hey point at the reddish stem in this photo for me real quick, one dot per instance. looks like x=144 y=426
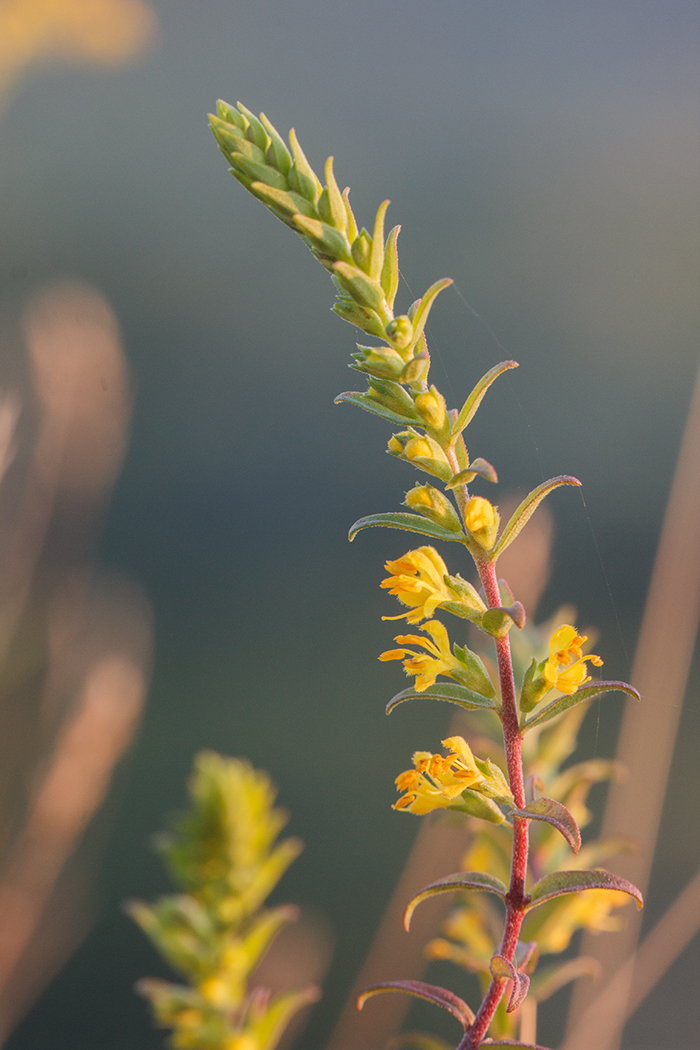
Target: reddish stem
x=512 y=741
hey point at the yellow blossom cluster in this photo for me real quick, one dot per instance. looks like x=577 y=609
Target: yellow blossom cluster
x=565 y=669
x=436 y=781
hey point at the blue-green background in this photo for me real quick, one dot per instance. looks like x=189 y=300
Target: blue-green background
x=545 y=156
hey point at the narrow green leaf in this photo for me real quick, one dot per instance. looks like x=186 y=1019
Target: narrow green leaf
x=574 y=881
x=258 y=172
x=255 y=132
x=552 y=812
x=527 y=508
x=408 y=522
x=421 y=315
x=450 y=692
x=430 y=992
x=285 y=201
x=563 y=703
x=337 y=215
x=462 y=880
x=369 y=404
x=302 y=176
x=390 y=271
x=480 y=467
x=376 y=259
x=352 y=222
x=475 y=398
x=277 y=152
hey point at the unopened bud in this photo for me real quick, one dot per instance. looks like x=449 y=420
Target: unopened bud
x=482 y=519
x=400 y=332
x=431 y=406
x=431 y=503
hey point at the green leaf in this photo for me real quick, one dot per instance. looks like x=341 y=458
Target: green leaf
x=369 y=404
x=475 y=398
x=258 y=172
x=574 y=881
x=276 y=153
x=302 y=176
x=447 y=691
x=462 y=880
x=408 y=522
x=376 y=259
x=421 y=315
x=480 y=467
x=286 y=202
x=563 y=703
x=390 y=271
x=430 y=992
x=527 y=508
x=552 y=812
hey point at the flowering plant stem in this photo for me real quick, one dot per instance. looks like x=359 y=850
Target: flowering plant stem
x=364 y=270
x=512 y=739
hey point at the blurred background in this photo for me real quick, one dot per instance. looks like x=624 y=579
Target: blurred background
x=175 y=459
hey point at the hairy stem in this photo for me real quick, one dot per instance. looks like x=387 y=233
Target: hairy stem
x=515 y=900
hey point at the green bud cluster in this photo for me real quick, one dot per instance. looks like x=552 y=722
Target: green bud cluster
x=364 y=267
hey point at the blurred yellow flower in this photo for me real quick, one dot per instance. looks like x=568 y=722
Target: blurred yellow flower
x=436 y=780
x=425 y=667
x=106 y=32
x=565 y=669
x=588 y=909
x=417 y=580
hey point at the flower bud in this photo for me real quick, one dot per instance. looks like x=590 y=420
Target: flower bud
x=400 y=332
x=431 y=503
x=482 y=520
x=415 y=370
x=432 y=408
x=379 y=361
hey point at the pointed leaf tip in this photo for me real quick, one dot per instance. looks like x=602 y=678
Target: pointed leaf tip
x=420 y=990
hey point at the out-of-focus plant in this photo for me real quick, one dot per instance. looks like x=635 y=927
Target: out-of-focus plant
x=538 y=712
x=225 y=859
x=99 y=32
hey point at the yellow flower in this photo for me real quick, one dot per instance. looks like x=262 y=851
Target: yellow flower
x=425 y=667
x=589 y=910
x=436 y=780
x=417 y=581
x=566 y=669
